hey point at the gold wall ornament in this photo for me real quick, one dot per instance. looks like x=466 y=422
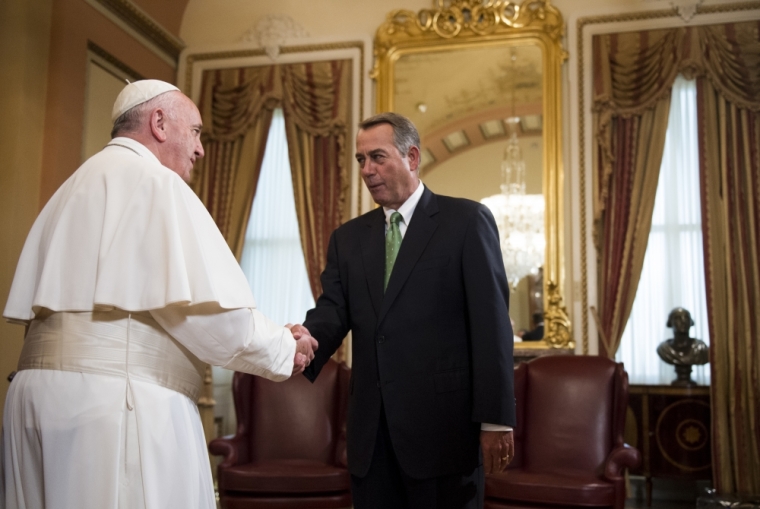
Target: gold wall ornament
x=457 y=37
x=557 y=323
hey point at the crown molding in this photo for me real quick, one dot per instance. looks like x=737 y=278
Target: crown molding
x=110 y=59
x=144 y=28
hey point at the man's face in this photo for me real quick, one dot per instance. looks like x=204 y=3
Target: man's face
x=183 y=139
x=389 y=175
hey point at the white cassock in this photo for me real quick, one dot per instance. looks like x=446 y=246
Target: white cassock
x=128 y=288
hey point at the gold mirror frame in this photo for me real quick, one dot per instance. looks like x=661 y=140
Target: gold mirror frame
x=462 y=24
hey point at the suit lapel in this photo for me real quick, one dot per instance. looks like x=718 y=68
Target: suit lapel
x=373 y=256
x=421 y=229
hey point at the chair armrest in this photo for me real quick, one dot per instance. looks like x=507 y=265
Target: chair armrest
x=341 y=458
x=232 y=447
x=344 y=382
x=620 y=458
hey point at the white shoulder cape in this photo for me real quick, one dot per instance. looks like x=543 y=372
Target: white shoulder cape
x=124 y=231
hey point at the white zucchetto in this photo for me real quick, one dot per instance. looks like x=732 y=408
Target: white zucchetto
x=139 y=92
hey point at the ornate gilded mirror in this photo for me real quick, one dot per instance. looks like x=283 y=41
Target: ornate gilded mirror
x=481 y=81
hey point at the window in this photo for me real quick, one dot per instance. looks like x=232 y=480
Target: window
x=673 y=272
x=272 y=257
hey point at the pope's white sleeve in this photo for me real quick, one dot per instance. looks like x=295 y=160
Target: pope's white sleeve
x=239 y=339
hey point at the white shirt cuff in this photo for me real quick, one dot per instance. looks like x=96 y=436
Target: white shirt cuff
x=484 y=426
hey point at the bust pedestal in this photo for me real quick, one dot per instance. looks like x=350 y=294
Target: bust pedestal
x=670 y=425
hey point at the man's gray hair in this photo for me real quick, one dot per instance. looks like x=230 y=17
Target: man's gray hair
x=131 y=120
x=405 y=135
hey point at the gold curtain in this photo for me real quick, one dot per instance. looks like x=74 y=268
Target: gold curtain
x=728 y=97
x=634 y=73
x=633 y=76
x=316 y=107
x=236 y=107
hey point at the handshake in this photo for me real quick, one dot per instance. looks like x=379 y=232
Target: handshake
x=305 y=347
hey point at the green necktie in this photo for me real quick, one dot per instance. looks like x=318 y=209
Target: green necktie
x=392 y=244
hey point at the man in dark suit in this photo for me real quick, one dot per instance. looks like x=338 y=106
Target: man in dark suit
x=421 y=284
x=536 y=333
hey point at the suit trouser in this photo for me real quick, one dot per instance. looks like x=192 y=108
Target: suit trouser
x=387 y=486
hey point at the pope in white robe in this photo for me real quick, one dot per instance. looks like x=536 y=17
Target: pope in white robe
x=128 y=288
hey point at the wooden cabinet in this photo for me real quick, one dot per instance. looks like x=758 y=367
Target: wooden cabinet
x=671 y=427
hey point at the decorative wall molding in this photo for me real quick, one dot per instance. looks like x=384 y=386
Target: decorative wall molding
x=100 y=52
x=274 y=31
x=138 y=23
x=686 y=8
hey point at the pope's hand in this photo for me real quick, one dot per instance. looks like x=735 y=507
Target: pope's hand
x=305 y=347
x=299 y=363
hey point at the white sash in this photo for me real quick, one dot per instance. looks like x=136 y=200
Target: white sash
x=117 y=343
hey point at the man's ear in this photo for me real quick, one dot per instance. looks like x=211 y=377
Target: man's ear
x=414 y=158
x=158 y=124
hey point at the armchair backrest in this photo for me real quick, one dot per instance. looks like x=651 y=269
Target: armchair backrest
x=294 y=419
x=570 y=411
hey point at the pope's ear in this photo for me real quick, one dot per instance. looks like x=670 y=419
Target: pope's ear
x=158 y=124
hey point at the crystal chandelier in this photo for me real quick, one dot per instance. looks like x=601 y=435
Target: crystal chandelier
x=519 y=216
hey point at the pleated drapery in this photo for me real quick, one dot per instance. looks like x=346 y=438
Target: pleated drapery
x=633 y=77
x=634 y=74
x=317 y=108
x=236 y=106
x=728 y=105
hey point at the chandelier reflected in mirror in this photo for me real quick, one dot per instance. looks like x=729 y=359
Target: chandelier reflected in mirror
x=519 y=216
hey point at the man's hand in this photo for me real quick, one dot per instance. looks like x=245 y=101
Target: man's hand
x=298 y=330
x=305 y=347
x=498 y=450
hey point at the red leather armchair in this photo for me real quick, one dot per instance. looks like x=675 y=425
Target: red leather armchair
x=569 y=448
x=290 y=447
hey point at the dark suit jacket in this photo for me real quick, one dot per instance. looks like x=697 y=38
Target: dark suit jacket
x=434 y=352
x=535 y=334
